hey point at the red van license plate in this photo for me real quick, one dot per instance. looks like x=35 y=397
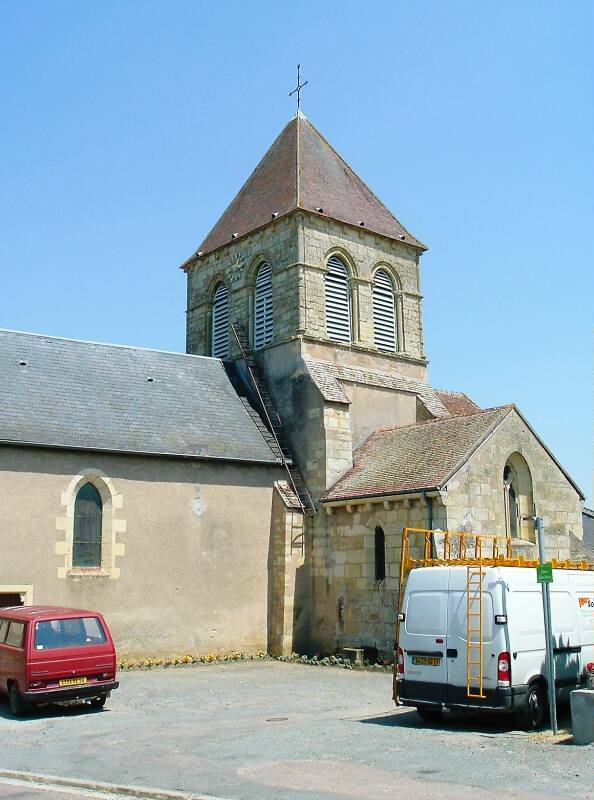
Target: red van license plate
x=72 y=682
x=426 y=661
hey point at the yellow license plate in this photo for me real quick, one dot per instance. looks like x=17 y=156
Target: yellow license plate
x=72 y=682
x=426 y=661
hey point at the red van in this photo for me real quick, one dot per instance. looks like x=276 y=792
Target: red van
x=50 y=654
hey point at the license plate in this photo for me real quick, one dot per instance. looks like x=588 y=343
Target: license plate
x=426 y=661
x=72 y=682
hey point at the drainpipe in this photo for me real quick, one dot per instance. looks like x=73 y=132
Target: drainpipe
x=429 y=501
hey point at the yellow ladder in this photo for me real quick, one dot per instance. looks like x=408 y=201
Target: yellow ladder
x=474 y=631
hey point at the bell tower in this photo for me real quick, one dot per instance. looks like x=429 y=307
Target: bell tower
x=340 y=273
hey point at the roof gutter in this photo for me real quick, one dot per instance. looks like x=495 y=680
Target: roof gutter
x=148 y=453
x=385 y=499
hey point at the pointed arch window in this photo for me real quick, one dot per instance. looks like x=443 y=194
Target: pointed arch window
x=220 y=322
x=263 y=322
x=88 y=521
x=338 y=305
x=384 y=312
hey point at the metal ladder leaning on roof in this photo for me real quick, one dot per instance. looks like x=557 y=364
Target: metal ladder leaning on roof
x=273 y=420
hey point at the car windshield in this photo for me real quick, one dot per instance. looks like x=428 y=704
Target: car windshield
x=75 y=632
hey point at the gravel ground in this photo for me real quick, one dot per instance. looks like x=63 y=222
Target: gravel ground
x=271 y=730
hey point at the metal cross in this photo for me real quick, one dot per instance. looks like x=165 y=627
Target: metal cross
x=298 y=88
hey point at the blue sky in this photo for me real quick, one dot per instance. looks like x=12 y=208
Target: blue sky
x=128 y=126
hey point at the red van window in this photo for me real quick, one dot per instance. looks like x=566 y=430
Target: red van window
x=15 y=634
x=3 y=629
x=75 y=632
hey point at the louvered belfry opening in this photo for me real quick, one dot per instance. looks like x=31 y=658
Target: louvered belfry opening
x=263 y=319
x=384 y=312
x=338 y=306
x=220 y=322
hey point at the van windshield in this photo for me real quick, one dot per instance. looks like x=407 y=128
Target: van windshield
x=75 y=632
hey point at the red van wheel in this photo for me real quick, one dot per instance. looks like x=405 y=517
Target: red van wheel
x=15 y=701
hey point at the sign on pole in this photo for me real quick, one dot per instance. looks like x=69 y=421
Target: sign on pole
x=544 y=573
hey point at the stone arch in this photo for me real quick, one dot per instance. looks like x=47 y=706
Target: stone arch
x=112 y=501
x=344 y=255
x=391 y=271
x=518 y=497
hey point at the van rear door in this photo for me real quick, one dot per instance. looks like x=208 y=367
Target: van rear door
x=423 y=638
x=493 y=638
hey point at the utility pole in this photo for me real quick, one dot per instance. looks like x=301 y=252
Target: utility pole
x=545 y=578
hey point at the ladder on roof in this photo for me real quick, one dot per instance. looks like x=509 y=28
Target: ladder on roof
x=280 y=444
x=475 y=551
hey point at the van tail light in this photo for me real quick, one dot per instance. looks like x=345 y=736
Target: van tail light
x=400 y=661
x=503 y=669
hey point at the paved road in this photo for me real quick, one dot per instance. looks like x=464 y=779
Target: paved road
x=264 y=731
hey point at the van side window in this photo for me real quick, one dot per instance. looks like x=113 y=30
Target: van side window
x=3 y=629
x=15 y=634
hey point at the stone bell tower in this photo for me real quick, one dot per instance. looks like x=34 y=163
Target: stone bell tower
x=345 y=329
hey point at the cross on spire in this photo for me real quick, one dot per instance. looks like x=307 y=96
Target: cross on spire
x=298 y=88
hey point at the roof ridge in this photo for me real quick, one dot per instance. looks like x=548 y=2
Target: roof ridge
x=442 y=419
x=358 y=177
x=106 y=344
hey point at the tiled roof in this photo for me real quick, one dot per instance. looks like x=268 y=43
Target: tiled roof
x=64 y=393
x=301 y=170
x=415 y=457
x=326 y=375
x=457 y=402
x=287 y=495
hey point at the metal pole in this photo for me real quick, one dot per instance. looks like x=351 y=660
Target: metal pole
x=548 y=628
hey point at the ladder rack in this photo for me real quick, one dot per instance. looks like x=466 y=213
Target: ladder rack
x=475 y=551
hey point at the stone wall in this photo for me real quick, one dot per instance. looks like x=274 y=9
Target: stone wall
x=287 y=605
x=474 y=497
x=352 y=608
x=236 y=265
x=362 y=252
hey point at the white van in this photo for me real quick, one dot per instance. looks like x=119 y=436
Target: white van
x=431 y=669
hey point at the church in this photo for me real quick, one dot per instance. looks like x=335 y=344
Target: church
x=250 y=494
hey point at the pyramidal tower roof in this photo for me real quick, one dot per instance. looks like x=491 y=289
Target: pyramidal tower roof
x=301 y=170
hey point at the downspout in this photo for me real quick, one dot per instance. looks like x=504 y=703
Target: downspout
x=429 y=502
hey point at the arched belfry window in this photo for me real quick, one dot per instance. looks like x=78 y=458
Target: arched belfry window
x=384 y=312
x=220 y=322
x=88 y=520
x=338 y=306
x=263 y=323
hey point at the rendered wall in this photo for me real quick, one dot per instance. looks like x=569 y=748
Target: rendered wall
x=192 y=539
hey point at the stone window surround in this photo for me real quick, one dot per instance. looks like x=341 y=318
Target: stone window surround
x=111 y=548
x=25 y=591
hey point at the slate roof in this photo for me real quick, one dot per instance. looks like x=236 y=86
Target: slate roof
x=65 y=393
x=415 y=457
x=301 y=170
x=326 y=375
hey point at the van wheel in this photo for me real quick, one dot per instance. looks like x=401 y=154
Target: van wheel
x=16 y=703
x=98 y=702
x=430 y=714
x=534 y=712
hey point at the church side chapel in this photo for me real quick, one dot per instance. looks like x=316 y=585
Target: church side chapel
x=251 y=493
